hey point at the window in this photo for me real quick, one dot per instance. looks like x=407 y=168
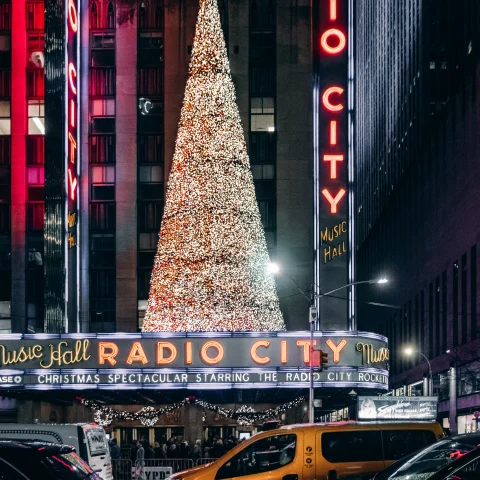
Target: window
x=102 y=217
x=356 y=446
x=398 y=443
x=103 y=125
x=5 y=120
x=35 y=82
x=455 y=303
x=151 y=174
x=150 y=149
x=102 y=81
x=5 y=184
x=35 y=49
x=36 y=117
x=5 y=82
x=471 y=471
x=35 y=16
x=102 y=251
x=102 y=149
x=152 y=122
x=148 y=241
x=5 y=11
x=102 y=283
x=150 y=15
x=149 y=216
x=464 y=299
x=36 y=182
x=262 y=117
x=103 y=183
x=102 y=108
x=267 y=213
x=35 y=150
x=103 y=50
x=263 y=172
x=110 y=15
x=264 y=455
x=262 y=148
x=150 y=49
x=8 y=472
x=150 y=81
x=35 y=217
x=93 y=16
x=473 y=292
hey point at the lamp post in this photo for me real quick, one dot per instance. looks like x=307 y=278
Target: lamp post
x=410 y=351
x=314 y=317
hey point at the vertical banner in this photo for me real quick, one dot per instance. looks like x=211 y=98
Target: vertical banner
x=330 y=108
x=72 y=160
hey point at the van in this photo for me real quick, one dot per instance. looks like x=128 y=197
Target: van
x=352 y=450
x=89 y=440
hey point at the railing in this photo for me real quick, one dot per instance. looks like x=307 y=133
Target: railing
x=205 y=461
x=125 y=469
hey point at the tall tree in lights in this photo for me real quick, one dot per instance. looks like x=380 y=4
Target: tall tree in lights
x=211 y=268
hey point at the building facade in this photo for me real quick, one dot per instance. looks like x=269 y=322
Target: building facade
x=132 y=67
x=417 y=158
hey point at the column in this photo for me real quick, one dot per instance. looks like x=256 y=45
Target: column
x=126 y=168
x=18 y=132
x=453 y=400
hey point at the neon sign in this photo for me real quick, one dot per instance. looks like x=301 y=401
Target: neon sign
x=72 y=133
x=184 y=360
x=331 y=163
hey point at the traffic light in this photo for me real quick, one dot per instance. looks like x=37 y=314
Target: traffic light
x=323 y=359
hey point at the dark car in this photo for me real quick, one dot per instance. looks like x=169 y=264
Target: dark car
x=453 y=458
x=23 y=460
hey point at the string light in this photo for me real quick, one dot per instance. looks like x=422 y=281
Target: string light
x=148 y=416
x=211 y=268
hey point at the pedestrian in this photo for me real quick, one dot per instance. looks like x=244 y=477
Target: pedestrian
x=197 y=450
x=115 y=452
x=218 y=449
x=158 y=450
x=140 y=462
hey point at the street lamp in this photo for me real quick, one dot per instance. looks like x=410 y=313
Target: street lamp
x=314 y=317
x=410 y=351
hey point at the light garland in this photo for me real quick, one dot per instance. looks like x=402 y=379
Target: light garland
x=211 y=268
x=148 y=416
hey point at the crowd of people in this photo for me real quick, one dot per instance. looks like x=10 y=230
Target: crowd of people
x=174 y=448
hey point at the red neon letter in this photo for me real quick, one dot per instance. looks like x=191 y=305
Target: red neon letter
x=73 y=146
x=333 y=165
x=333 y=132
x=333 y=201
x=326 y=99
x=72 y=15
x=72 y=113
x=333 y=9
x=333 y=32
x=72 y=72
x=72 y=182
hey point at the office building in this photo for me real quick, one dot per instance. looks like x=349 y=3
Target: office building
x=126 y=77
x=417 y=165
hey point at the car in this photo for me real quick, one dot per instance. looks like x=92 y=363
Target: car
x=453 y=458
x=24 y=460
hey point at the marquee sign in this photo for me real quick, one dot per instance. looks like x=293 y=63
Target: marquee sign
x=331 y=193
x=193 y=360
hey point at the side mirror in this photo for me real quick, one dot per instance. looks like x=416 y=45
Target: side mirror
x=332 y=475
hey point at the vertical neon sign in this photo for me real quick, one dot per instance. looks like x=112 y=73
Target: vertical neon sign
x=72 y=155
x=330 y=107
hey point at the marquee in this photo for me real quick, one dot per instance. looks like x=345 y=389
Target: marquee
x=191 y=360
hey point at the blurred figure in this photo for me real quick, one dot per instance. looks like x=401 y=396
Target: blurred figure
x=114 y=449
x=197 y=450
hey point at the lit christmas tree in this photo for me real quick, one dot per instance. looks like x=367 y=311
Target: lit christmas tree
x=211 y=268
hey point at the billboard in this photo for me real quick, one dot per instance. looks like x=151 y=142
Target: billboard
x=397 y=408
x=191 y=360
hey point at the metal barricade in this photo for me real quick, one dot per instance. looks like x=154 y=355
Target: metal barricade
x=164 y=464
x=205 y=461
x=122 y=469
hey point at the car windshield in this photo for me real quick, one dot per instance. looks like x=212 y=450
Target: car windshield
x=69 y=466
x=422 y=465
